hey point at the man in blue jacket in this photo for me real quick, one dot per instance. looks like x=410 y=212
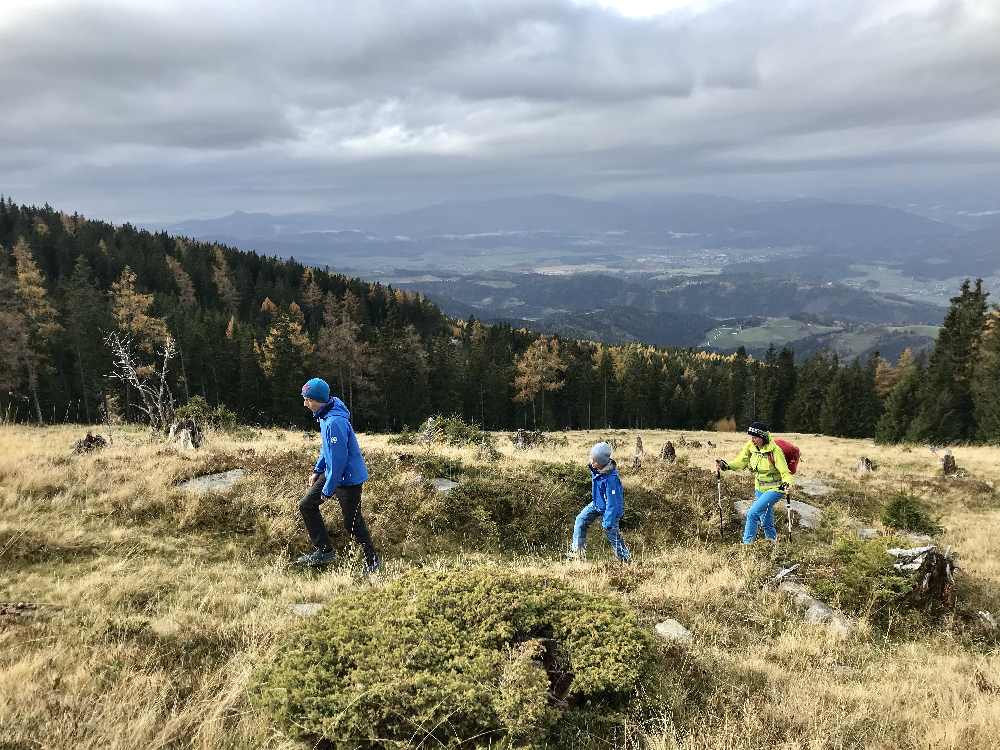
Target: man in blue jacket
x=340 y=472
x=607 y=502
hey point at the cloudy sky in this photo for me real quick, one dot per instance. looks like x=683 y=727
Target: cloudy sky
x=143 y=110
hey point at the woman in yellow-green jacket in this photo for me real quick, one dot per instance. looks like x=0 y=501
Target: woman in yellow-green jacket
x=765 y=459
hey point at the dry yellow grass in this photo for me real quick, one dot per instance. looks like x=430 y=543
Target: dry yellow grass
x=150 y=621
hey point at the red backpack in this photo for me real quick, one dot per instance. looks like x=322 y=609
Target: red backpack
x=791 y=452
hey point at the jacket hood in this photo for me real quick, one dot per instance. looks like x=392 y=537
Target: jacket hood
x=333 y=407
x=605 y=470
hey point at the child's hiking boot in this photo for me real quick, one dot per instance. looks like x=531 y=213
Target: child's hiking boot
x=318 y=558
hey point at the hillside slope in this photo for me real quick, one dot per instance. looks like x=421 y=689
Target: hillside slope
x=146 y=610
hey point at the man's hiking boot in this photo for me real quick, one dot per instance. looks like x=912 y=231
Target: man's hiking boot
x=317 y=558
x=575 y=555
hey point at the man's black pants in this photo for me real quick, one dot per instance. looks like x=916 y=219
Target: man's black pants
x=350 y=506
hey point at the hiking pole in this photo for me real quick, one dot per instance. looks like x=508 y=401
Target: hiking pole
x=788 y=508
x=718 y=482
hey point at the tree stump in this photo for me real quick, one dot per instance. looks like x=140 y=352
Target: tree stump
x=948 y=465
x=89 y=443
x=638 y=454
x=186 y=434
x=668 y=453
x=524 y=439
x=933 y=573
x=865 y=465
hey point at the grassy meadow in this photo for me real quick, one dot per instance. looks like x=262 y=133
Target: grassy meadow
x=149 y=608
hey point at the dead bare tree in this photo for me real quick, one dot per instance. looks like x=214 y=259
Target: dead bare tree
x=150 y=382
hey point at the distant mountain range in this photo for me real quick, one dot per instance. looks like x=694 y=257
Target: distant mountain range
x=660 y=269
x=578 y=225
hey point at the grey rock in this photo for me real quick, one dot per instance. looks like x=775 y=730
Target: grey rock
x=672 y=630
x=444 y=485
x=213 y=482
x=808 y=516
x=305 y=609
x=781 y=575
x=814 y=487
x=817 y=612
x=866 y=532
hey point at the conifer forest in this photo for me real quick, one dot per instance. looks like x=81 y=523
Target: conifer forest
x=243 y=331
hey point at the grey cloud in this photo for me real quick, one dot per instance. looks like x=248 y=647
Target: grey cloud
x=316 y=103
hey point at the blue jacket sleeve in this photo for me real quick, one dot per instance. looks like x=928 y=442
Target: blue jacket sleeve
x=614 y=501
x=336 y=443
x=320 y=466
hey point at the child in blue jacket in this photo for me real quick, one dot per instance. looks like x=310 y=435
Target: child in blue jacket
x=340 y=472
x=607 y=503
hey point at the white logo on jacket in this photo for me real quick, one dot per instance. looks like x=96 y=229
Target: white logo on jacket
x=333 y=440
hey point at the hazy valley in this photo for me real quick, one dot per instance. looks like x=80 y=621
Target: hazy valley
x=686 y=270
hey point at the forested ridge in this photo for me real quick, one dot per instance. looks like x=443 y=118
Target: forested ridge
x=250 y=329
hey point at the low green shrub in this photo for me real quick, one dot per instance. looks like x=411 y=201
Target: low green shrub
x=220 y=418
x=476 y=658
x=525 y=506
x=858 y=577
x=906 y=512
x=405 y=437
x=451 y=431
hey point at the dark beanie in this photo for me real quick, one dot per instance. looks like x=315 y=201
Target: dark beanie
x=760 y=429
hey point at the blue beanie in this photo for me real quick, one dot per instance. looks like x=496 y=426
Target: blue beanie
x=317 y=389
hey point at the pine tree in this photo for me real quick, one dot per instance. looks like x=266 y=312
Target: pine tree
x=13 y=331
x=836 y=415
x=40 y=318
x=251 y=390
x=539 y=369
x=312 y=299
x=986 y=382
x=223 y=278
x=185 y=287
x=404 y=370
x=341 y=349
x=814 y=376
x=84 y=315
x=132 y=312
x=946 y=411
x=886 y=377
x=739 y=378
x=285 y=359
x=867 y=404
x=901 y=405
x=633 y=382
x=605 y=377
